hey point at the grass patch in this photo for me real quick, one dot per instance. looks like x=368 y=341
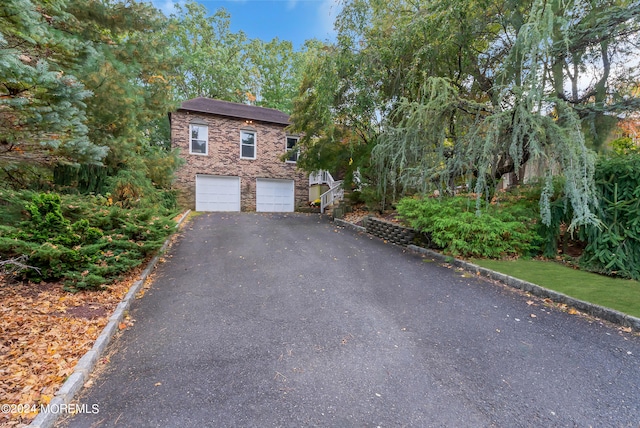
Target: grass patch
x=620 y=294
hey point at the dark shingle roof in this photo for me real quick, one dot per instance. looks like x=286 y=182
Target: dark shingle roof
x=236 y=110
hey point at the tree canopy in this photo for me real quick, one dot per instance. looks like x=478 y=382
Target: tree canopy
x=81 y=82
x=460 y=92
x=217 y=63
x=86 y=85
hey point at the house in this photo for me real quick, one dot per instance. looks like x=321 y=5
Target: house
x=233 y=158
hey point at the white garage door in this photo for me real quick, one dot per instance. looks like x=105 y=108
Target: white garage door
x=214 y=193
x=274 y=195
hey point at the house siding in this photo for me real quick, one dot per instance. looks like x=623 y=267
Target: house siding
x=223 y=157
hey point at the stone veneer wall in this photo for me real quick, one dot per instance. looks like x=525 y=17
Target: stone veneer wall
x=223 y=158
x=391 y=232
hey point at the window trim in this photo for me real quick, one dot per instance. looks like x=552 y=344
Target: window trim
x=206 y=139
x=255 y=143
x=286 y=148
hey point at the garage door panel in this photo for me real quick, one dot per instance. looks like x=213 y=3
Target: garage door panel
x=217 y=193
x=274 y=195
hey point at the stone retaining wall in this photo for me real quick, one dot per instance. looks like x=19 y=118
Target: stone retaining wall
x=391 y=232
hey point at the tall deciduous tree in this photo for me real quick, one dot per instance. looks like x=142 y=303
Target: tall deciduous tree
x=213 y=58
x=338 y=109
x=218 y=63
x=275 y=73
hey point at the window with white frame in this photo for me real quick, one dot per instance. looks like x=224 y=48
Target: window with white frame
x=247 y=144
x=292 y=150
x=198 y=139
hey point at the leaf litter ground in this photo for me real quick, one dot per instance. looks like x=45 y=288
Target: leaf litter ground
x=44 y=331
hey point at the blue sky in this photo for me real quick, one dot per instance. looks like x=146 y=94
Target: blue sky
x=293 y=20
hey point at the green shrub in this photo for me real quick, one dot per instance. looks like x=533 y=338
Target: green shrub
x=454 y=226
x=614 y=247
x=83 y=241
x=560 y=211
x=130 y=188
x=623 y=146
x=371 y=198
x=83 y=178
x=12 y=205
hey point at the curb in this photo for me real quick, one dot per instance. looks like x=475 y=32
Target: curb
x=592 y=309
x=351 y=226
x=87 y=363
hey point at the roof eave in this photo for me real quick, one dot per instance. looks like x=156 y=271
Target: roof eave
x=240 y=117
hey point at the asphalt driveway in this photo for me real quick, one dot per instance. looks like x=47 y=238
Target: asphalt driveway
x=272 y=320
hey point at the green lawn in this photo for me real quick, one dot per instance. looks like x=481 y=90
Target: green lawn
x=619 y=294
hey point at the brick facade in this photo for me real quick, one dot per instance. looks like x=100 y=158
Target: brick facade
x=223 y=158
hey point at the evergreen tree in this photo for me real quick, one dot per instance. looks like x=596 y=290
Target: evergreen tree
x=42 y=102
x=82 y=82
x=129 y=74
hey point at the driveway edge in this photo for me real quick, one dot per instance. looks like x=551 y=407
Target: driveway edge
x=598 y=311
x=81 y=372
x=592 y=309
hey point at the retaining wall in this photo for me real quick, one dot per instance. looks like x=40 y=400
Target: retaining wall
x=391 y=232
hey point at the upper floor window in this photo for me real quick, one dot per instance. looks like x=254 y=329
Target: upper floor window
x=293 y=154
x=247 y=144
x=198 y=139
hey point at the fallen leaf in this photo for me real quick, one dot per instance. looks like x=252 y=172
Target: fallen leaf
x=122 y=326
x=45 y=332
